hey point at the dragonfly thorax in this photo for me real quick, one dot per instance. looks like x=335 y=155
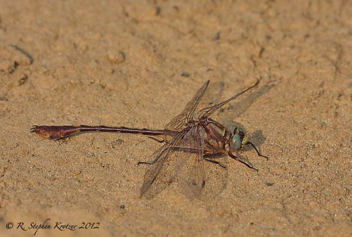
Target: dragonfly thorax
x=239 y=139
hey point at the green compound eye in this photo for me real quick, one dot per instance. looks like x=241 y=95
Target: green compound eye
x=239 y=139
x=236 y=141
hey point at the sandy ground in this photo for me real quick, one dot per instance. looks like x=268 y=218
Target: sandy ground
x=120 y=63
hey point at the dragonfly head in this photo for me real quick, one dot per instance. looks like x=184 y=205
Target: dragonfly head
x=239 y=139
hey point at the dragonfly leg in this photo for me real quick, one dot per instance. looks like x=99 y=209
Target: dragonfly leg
x=189 y=150
x=147 y=163
x=246 y=164
x=215 y=162
x=249 y=143
x=157 y=140
x=151 y=162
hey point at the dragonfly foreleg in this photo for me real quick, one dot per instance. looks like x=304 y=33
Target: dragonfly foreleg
x=249 y=143
x=246 y=164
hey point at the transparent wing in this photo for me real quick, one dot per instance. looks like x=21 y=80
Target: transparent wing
x=216 y=172
x=190 y=165
x=206 y=112
x=187 y=114
x=160 y=174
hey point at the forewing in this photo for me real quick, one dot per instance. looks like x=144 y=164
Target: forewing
x=160 y=174
x=190 y=165
x=186 y=115
x=206 y=112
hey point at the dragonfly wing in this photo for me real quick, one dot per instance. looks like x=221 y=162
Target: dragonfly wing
x=216 y=172
x=190 y=165
x=206 y=112
x=160 y=174
x=186 y=115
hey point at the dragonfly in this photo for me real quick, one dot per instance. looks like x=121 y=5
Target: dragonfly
x=191 y=138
